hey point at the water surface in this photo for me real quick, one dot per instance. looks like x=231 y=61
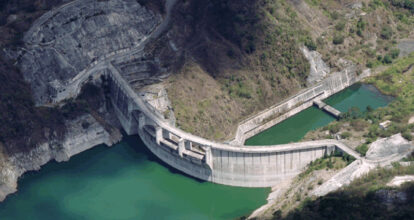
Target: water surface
x=295 y=128
x=124 y=182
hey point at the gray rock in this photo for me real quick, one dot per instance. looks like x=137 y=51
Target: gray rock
x=67 y=40
x=318 y=68
x=406 y=47
x=388 y=147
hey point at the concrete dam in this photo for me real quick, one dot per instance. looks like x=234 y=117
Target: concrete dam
x=122 y=66
x=236 y=165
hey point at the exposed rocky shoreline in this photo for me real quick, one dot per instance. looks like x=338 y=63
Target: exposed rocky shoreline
x=82 y=134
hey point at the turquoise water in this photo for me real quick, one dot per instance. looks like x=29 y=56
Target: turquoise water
x=360 y=96
x=127 y=182
x=296 y=127
x=123 y=182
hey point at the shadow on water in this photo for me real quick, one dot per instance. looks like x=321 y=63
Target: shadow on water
x=125 y=181
x=137 y=153
x=343 y=95
x=138 y=146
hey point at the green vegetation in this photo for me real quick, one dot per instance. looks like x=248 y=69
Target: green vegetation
x=386 y=32
x=346 y=134
x=333 y=128
x=409 y=157
x=362 y=149
x=260 y=62
x=361 y=24
x=340 y=26
x=362 y=199
x=310 y=44
x=407 y=4
x=337 y=160
x=338 y=39
x=397 y=80
x=253 y=62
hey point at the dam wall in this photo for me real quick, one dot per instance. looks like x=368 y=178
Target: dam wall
x=117 y=54
x=235 y=165
x=295 y=104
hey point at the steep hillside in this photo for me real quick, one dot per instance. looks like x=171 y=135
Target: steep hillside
x=366 y=198
x=228 y=58
x=238 y=57
x=234 y=58
x=23 y=126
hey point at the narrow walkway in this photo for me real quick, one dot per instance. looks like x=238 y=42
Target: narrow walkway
x=331 y=110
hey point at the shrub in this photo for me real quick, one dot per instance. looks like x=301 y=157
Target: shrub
x=379 y=57
x=386 y=32
x=338 y=39
x=359 y=125
x=361 y=24
x=408 y=4
x=310 y=44
x=407 y=135
x=387 y=59
x=359 y=33
x=353 y=112
x=333 y=128
x=345 y=135
x=362 y=149
x=334 y=15
x=340 y=26
x=394 y=53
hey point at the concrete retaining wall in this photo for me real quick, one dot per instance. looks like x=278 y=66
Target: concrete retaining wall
x=276 y=114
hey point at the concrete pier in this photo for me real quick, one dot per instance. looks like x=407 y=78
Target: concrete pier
x=327 y=108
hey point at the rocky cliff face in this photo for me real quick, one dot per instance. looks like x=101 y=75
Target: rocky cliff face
x=82 y=133
x=58 y=49
x=66 y=40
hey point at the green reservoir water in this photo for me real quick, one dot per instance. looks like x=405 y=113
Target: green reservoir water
x=127 y=182
x=123 y=182
x=295 y=128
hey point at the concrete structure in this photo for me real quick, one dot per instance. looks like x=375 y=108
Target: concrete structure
x=230 y=164
x=253 y=166
x=295 y=104
x=331 y=110
x=385 y=124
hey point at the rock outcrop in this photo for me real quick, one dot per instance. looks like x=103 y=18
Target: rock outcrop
x=65 y=41
x=318 y=68
x=82 y=133
x=381 y=153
